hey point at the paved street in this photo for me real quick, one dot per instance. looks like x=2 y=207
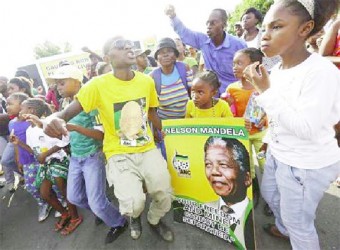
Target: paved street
x=19 y=229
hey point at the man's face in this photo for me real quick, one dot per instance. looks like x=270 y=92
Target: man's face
x=215 y=24
x=142 y=60
x=223 y=174
x=121 y=54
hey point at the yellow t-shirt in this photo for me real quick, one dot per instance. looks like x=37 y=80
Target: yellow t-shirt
x=220 y=109
x=123 y=107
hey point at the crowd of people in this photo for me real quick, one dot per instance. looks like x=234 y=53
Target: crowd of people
x=106 y=127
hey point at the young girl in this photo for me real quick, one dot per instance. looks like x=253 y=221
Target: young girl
x=303 y=157
x=9 y=160
x=203 y=104
x=19 y=84
x=28 y=165
x=49 y=152
x=241 y=95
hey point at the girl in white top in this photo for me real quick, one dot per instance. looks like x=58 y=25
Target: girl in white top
x=301 y=98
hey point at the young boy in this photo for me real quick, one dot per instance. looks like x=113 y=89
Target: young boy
x=86 y=176
x=125 y=100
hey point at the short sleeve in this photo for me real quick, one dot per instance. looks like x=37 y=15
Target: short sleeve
x=88 y=96
x=153 y=95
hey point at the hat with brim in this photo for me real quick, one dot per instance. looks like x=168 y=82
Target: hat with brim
x=139 y=52
x=65 y=72
x=166 y=43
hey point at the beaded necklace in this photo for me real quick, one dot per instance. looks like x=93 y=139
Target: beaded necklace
x=213 y=109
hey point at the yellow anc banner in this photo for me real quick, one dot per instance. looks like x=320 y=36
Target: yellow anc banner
x=208 y=160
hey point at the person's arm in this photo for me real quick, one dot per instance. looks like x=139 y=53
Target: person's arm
x=42 y=156
x=329 y=41
x=154 y=119
x=192 y=38
x=92 y=133
x=15 y=140
x=55 y=124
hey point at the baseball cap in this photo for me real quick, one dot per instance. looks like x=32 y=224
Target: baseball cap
x=64 y=72
x=138 y=52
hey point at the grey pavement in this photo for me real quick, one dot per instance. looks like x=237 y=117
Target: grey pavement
x=20 y=229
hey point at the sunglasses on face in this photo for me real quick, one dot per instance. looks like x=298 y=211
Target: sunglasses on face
x=121 y=44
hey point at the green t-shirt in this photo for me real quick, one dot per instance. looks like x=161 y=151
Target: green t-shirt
x=82 y=145
x=190 y=61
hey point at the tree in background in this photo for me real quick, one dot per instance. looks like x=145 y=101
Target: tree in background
x=261 y=5
x=50 y=49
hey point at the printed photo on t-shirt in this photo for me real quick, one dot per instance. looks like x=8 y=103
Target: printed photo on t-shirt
x=130 y=121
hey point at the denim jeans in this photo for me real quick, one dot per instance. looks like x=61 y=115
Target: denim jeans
x=8 y=163
x=293 y=194
x=86 y=187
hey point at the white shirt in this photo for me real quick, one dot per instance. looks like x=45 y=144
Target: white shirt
x=40 y=142
x=303 y=104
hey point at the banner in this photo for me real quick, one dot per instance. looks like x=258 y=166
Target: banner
x=208 y=160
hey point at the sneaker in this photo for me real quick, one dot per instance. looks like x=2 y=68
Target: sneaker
x=135 y=228
x=44 y=211
x=1 y=172
x=163 y=231
x=11 y=187
x=2 y=184
x=115 y=232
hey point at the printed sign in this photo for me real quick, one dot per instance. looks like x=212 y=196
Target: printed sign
x=208 y=160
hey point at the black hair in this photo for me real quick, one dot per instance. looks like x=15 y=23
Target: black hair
x=40 y=107
x=23 y=83
x=210 y=77
x=258 y=15
x=22 y=73
x=223 y=14
x=19 y=96
x=323 y=10
x=238 y=150
x=255 y=55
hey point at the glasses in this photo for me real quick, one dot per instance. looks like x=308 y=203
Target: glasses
x=121 y=44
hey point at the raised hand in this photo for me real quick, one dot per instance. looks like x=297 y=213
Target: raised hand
x=258 y=78
x=170 y=11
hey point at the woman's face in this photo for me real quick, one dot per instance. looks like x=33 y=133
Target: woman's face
x=249 y=21
x=166 y=57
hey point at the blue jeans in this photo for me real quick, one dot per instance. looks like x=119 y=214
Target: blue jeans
x=8 y=163
x=86 y=185
x=293 y=194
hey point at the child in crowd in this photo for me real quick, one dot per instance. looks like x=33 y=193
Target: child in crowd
x=19 y=84
x=203 y=104
x=240 y=93
x=86 y=185
x=303 y=157
x=54 y=164
x=9 y=160
x=53 y=97
x=26 y=160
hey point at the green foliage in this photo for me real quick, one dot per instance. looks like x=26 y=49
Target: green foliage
x=261 y=5
x=50 y=49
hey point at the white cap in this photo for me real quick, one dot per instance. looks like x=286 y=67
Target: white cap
x=64 y=72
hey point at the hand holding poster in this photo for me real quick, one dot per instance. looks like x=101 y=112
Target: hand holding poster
x=209 y=165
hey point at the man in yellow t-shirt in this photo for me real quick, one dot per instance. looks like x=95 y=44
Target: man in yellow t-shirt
x=126 y=100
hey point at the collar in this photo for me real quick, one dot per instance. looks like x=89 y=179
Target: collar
x=225 y=44
x=238 y=208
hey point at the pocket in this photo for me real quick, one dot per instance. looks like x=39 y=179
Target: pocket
x=120 y=162
x=298 y=175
